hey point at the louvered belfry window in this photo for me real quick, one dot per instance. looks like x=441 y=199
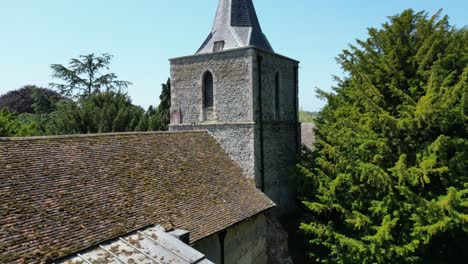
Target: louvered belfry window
x=218 y=46
x=208 y=90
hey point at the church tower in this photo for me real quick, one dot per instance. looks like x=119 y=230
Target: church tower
x=246 y=96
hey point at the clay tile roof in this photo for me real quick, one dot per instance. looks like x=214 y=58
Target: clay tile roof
x=60 y=195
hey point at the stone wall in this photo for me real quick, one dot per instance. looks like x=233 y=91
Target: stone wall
x=265 y=145
x=280 y=136
x=232 y=75
x=272 y=64
x=236 y=139
x=244 y=243
x=210 y=247
x=280 y=160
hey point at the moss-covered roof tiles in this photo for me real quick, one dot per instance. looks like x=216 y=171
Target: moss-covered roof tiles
x=59 y=195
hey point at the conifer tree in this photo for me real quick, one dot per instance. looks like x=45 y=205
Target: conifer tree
x=388 y=182
x=163 y=113
x=98 y=113
x=84 y=76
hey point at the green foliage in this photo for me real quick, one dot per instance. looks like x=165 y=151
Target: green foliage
x=163 y=113
x=158 y=119
x=307 y=117
x=30 y=99
x=389 y=179
x=98 y=113
x=84 y=76
x=11 y=127
x=42 y=104
x=41 y=123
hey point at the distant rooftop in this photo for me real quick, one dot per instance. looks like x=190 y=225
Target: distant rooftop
x=236 y=25
x=308 y=135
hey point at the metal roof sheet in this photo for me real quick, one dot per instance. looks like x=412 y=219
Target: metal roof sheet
x=151 y=245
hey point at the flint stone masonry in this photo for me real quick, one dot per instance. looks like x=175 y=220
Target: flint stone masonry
x=244 y=243
x=236 y=139
x=280 y=159
x=265 y=144
x=271 y=65
x=232 y=76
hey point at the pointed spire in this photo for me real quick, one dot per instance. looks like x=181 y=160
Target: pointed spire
x=236 y=25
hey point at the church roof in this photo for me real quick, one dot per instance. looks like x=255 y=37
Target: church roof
x=236 y=25
x=149 y=245
x=60 y=195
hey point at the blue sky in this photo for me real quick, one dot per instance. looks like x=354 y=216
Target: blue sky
x=144 y=34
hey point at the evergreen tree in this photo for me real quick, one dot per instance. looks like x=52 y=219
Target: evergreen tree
x=143 y=125
x=42 y=104
x=84 y=76
x=158 y=119
x=163 y=113
x=152 y=119
x=389 y=179
x=98 y=113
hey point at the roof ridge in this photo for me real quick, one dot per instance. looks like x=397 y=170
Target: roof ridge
x=100 y=135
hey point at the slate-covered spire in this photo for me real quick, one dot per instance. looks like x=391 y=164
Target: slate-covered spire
x=236 y=25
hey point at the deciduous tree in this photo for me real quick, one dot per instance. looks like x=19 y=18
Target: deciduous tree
x=11 y=127
x=30 y=99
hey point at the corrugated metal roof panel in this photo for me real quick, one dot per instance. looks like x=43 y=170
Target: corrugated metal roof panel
x=151 y=245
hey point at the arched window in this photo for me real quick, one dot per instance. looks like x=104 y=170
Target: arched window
x=277 y=96
x=208 y=90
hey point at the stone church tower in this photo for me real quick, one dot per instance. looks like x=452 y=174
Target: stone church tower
x=246 y=96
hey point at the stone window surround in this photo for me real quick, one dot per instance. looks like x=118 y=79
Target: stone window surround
x=208 y=85
x=201 y=88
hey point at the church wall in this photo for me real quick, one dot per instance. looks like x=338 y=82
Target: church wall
x=232 y=74
x=265 y=145
x=272 y=64
x=233 y=124
x=280 y=162
x=278 y=136
x=210 y=247
x=244 y=243
x=236 y=139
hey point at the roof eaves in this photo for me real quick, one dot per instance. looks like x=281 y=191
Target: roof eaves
x=100 y=135
x=273 y=205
